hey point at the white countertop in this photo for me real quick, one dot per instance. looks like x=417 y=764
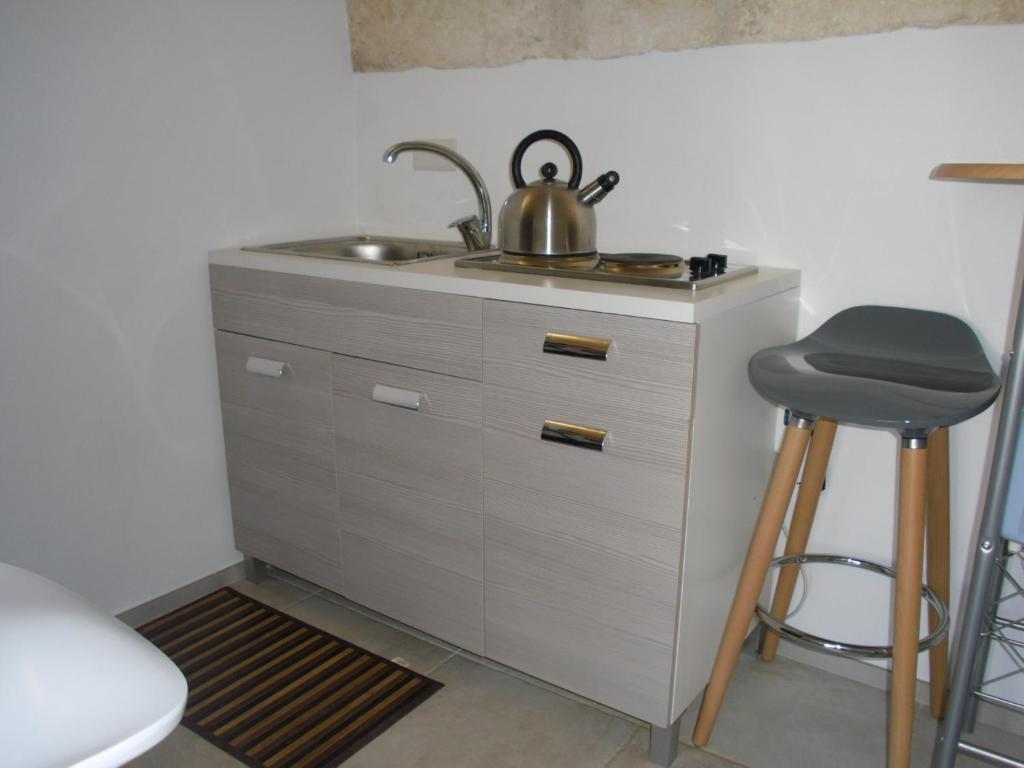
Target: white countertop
x=442 y=276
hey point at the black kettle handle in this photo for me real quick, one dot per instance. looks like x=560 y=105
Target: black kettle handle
x=561 y=138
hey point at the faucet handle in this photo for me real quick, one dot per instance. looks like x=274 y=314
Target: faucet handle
x=472 y=232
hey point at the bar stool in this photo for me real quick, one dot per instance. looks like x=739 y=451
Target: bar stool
x=911 y=371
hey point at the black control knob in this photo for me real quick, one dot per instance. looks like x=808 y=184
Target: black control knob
x=718 y=262
x=700 y=267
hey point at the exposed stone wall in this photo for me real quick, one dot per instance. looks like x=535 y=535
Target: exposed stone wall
x=390 y=35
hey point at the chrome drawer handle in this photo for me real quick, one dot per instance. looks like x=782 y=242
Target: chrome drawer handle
x=577 y=346
x=264 y=367
x=403 y=398
x=574 y=434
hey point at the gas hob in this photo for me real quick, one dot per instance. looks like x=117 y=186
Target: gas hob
x=659 y=270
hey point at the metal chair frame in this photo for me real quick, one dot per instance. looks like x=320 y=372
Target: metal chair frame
x=1002 y=628
x=981 y=623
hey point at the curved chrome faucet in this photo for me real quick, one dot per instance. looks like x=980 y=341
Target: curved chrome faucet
x=475 y=230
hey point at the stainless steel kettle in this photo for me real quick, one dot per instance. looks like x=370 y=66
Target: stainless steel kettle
x=550 y=219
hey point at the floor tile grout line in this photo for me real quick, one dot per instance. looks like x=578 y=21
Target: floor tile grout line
x=302 y=599
x=441 y=663
x=624 y=746
x=306 y=591
x=283 y=576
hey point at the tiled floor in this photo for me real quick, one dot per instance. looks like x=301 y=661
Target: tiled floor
x=779 y=714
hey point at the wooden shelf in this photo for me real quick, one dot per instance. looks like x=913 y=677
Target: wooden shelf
x=1000 y=173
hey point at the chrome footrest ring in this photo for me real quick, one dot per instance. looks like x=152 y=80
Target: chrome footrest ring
x=807 y=640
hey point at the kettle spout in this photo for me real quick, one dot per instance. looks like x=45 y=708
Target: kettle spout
x=595 y=191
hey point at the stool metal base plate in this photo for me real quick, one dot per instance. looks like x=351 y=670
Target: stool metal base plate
x=816 y=643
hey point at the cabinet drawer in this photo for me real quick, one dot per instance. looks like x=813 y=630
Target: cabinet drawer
x=419 y=329
x=410 y=496
x=649 y=363
x=643 y=461
x=589 y=618
x=280 y=454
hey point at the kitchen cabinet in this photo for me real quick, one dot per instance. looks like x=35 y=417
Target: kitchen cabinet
x=572 y=497
x=583 y=546
x=276 y=411
x=400 y=500
x=410 y=497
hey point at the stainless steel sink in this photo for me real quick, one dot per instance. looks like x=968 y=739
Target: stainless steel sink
x=394 y=251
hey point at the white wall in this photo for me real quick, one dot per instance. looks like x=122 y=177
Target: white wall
x=137 y=135
x=134 y=136
x=809 y=155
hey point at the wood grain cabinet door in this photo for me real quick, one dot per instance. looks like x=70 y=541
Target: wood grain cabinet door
x=408 y=447
x=582 y=538
x=276 y=408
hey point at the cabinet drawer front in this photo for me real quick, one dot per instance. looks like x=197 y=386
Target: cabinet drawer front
x=642 y=462
x=280 y=455
x=648 y=361
x=410 y=496
x=585 y=619
x=419 y=329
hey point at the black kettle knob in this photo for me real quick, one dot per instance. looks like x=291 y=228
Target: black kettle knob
x=561 y=138
x=549 y=171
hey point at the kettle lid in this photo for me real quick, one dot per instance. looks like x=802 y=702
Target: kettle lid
x=548 y=172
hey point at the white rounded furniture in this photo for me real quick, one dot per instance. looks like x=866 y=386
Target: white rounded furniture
x=79 y=688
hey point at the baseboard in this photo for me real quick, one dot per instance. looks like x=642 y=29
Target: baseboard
x=878 y=677
x=158 y=606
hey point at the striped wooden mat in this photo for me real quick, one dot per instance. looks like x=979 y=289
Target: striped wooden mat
x=275 y=692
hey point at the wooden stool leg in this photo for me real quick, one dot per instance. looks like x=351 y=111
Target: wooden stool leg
x=937 y=532
x=755 y=567
x=800 y=526
x=907 y=618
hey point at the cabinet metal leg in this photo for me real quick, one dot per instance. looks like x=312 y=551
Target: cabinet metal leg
x=255 y=570
x=664 y=744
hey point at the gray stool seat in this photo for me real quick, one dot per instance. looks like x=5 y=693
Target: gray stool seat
x=889 y=367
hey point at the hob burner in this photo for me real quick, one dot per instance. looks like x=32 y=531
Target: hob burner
x=574 y=261
x=651 y=264
x=657 y=269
